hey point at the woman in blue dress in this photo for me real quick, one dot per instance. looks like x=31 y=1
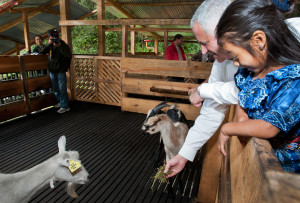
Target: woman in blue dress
x=268 y=56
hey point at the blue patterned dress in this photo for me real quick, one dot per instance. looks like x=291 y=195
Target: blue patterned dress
x=276 y=99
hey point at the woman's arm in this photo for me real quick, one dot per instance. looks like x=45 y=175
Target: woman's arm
x=249 y=128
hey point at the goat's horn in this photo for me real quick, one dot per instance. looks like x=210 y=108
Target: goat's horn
x=156 y=109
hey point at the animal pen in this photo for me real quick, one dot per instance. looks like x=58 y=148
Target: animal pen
x=110 y=97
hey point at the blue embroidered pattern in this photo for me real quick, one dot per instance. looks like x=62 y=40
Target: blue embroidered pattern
x=284 y=5
x=275 y=99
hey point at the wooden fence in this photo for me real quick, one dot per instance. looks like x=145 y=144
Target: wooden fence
x=249 y=173
x=144 y=83
x=135 y=84
x=24 y=85
x=97 y=79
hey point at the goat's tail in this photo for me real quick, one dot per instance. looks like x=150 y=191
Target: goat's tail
x=71 y=190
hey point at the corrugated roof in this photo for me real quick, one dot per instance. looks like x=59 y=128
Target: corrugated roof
x=139 y=9
x=38 y=24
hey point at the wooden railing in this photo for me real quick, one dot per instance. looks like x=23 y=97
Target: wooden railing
x=24 y=85
x=249 y=173
x=144 y=83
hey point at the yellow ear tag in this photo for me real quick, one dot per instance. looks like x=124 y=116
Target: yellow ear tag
x=74 y=166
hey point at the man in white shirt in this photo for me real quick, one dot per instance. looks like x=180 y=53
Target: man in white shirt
x=220 y=91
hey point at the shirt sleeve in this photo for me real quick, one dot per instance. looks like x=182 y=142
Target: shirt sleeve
x=294 y=26
x=221 y=86
x=211 y=115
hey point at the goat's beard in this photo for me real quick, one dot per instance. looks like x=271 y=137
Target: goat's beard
x=71 y=190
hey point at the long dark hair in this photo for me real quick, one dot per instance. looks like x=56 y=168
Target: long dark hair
x=243 y=17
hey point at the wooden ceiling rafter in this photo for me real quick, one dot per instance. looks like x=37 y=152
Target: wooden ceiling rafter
x=128 y=14
x=31 y=14
x=6 y=38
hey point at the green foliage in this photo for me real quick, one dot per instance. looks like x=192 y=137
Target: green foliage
x=85 y=38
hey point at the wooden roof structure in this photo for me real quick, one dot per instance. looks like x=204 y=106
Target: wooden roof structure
x=21 y=20
x=24 y=19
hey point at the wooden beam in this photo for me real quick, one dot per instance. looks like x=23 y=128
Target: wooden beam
x=162 y=4
x=148 y=29
x=126 y=22
x=50 y=10
x=165 y=40
x=6 y=38
x=30 y=15
x=65 y=14
x=17 y=48
x=156 y=46
x=126 y=13
x=26 y=31
x=132 y=43
x=101 y=32
x=66 y=35
x=124 y=40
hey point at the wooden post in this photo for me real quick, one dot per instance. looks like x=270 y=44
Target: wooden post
x=156 y=46
x=101 y=32
x=26 y=31
x=66 y=36
x=132 y=44
x=17 y=48
x=124 y=40
x=165 y=41
x=24 y=81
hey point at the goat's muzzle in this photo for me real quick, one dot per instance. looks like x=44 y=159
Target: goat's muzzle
x=145 y=129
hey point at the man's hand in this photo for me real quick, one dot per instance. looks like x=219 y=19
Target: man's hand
x=195 y=98
x=176 y=164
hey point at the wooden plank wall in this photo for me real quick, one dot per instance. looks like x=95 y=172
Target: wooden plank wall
x=249 y=173
x=144 y=78
x=23 y=85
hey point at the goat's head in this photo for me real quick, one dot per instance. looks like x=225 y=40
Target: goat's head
x=80 y=176
x=152 y=119
x=154 y=124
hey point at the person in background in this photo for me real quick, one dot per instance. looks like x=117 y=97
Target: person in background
x=175 y=52
x=59 y=59
x=39 y=45
x=268 y=56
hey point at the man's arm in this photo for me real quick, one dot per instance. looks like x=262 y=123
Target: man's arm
x=211 y=116
x=223 y=91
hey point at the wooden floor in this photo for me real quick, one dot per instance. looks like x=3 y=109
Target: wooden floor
x=118 y=157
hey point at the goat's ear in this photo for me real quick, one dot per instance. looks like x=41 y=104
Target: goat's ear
x=62 y=144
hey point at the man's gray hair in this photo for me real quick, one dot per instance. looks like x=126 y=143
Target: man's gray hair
x=209 y=13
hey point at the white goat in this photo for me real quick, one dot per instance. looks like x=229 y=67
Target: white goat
x=20 y=187
x=172 y=126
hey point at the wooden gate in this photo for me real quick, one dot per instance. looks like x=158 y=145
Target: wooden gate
x=97 y=79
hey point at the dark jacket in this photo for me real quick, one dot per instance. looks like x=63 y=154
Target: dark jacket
x=37 y=49
x=59 y=57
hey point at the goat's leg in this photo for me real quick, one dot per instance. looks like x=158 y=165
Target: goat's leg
x=156 y=161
